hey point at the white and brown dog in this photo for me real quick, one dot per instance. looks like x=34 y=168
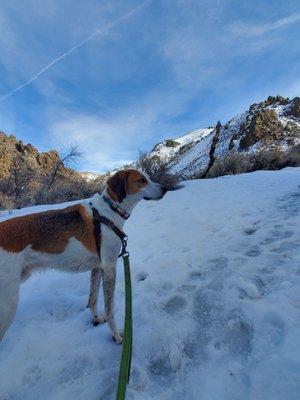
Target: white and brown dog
x=64 y=239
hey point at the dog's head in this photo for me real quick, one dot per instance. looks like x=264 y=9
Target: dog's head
x=131 y=182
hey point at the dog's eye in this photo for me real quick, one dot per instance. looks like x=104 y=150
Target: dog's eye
x=142 y=180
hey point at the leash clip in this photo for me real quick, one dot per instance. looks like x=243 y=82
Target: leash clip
x=124 y=252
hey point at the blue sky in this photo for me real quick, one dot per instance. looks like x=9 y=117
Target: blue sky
x=166 y=68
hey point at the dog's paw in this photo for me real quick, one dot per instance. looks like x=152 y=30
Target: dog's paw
x=98 y=320
x=118 y=337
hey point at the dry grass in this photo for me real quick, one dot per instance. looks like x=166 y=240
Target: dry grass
x=238 y=163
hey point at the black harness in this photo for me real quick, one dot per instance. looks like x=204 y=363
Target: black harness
x=100 y=219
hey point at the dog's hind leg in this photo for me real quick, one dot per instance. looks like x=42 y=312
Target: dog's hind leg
x=93 y=297
x=9 y=293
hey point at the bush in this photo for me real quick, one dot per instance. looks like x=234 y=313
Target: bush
x=238 y=163
x=231 y=164
x=62 y=191
x=171 y=143
x=157 y=171
x=6 y=202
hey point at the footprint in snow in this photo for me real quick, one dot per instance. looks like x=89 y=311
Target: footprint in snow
x=175 y=304
x=249 y=231
x=219 y=263
x=252 y=289
x=286 y=247
x=253 y=252
x=141 y=276
x=238 y=334
x=196 y=275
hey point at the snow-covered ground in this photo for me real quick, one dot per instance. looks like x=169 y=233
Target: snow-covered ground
x=216 y=299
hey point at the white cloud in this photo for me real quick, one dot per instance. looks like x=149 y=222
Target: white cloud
x=105 y=144
x=241 y=28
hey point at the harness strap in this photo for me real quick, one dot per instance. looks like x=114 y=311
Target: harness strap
x=100 y=219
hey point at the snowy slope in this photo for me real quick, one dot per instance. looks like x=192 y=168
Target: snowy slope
x=195 y=159
x=89 y=176
x=215 y=270
x=271 y=124
x=170 y=150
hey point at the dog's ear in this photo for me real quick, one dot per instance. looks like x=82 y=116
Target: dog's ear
x=117 y=186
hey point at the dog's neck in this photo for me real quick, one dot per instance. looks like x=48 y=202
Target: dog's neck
x=127 y=205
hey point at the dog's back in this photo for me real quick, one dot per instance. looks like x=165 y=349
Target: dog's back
x=37 y=238
x=47 y=232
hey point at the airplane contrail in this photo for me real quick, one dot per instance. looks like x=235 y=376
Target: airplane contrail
x=98 y=32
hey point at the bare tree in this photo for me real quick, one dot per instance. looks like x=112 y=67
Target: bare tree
x=71 y=155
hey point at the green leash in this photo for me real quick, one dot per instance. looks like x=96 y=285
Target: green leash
x=125 y=364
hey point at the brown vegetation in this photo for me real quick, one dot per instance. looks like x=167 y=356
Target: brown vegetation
x=264 y=125
x=157 y=170
x=28 y=177
x=271 y=159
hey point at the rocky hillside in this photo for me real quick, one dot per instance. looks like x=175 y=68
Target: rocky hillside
x=266 y=136
x=14 y=151
x=29 y=177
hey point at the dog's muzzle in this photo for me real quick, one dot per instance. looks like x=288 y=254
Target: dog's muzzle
x=163 y=191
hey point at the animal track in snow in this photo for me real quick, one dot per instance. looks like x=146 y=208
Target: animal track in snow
x=219 y=263
x=248 y=289
x=175 y=304
x=249 y=231
x=141 y=276
x=196 y=275
x=254 y=251
x=239 y=334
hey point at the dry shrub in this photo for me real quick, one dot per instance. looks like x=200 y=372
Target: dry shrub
x=294 y=156
x=232 y=164
x=238 y=163
x=62 y=191
x=6 y=202
x=269 y=160
x=157 y=171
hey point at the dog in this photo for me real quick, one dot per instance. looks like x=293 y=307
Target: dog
x=64 y=239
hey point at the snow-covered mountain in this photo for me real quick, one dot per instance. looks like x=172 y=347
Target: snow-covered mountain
x=273 y=124
x=171 y=149
x=90 y=176
x=216 y=303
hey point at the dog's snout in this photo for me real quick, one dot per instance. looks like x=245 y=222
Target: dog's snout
x=164 y=188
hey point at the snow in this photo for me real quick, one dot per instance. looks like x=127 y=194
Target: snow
x=89 y=176
x=195 y=159
x=166 y=153
x=216 y=303
x=226 y=134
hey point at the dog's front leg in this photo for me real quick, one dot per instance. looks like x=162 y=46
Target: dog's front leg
x=93 y=297
x=109 y=281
